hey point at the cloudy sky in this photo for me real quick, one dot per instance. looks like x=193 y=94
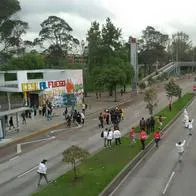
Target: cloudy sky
x=168 y=16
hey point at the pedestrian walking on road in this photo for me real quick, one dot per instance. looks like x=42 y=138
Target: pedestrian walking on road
x=152 y=124
x=117 y=136
x=42 y=171
x=148 y=126
x=109 y=138
x=143 y=137
x=101 y=120
x=105 y=134
x=157 y=137
x=82 y=118
x=23 y=118
x=190 y=126
x=132 y=136
x=142 y=124
x=11 y=124
x=180 y=149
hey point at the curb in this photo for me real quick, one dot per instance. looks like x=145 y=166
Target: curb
x=42 y=131
x=139 y=157
x=33 y=134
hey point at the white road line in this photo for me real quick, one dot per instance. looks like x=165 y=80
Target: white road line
x=57 y=130
x=12 y=159
x=125 y=178
x=28 y=171
x=169 y=181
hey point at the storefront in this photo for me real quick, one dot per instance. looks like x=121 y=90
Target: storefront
x=60 y=87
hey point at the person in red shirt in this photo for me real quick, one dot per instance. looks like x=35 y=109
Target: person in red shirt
x=132 y=135
x=142 y=137
x=157 y=137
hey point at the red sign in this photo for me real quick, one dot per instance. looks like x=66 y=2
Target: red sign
x=54 y=84
x=194 y=87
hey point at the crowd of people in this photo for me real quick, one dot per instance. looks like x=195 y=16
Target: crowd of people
x=75 y=117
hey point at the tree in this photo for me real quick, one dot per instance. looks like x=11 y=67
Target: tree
x=114 y=76
x=150 y=96
x=180 y=47
x=74 y=154
x=11 y=30
x=142 y=85
x=8 y=8
x=110 y=40
x=151 y=48
x=173 y=90
x=94 y=46
x=56 y=35
x=29 y=61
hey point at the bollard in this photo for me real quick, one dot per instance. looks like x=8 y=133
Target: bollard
x=19 y=150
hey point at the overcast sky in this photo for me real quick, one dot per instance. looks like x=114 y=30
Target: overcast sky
x=168 y=16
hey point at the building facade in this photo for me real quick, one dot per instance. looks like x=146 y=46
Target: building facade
x=60 y=87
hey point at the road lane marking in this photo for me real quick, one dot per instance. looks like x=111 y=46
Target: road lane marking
x=57 y=130
x=28 y=171
x=169 y=181
x=131 y=171
x=19 y=146
x=12 y=159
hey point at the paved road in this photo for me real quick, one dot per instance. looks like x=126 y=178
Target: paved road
x=161 y=174
x=18 y=175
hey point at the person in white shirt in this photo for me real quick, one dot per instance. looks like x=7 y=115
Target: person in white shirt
x=185 y=112
x=82 y=117
x=105 y=135
x=117 y=136
x=109 y=138
x=42 y=171
x=190 y=126
x=180 y=149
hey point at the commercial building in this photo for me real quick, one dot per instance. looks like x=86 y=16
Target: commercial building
x=36 y=87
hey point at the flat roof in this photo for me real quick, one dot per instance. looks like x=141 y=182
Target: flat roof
x=37 y=70
x=13 y=111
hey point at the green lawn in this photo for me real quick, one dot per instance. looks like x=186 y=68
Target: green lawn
x=97 y=171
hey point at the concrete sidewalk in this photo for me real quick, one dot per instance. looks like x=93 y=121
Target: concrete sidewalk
x=39 y=125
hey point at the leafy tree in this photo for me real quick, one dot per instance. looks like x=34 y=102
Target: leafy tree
x=28 y=61
x=56 y=33
x=152 y=48
x=94 y=46
x=110 y=39
x=8 y=8
x=114 y=76
x=142 y=85
x=180 y=46
x=173 y=90
x=150 y=97
x=74 y=154
x=11 y=30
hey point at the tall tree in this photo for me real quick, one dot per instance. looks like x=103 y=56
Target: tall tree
x=152 y=48
x=94 y=46
x=55 y=35
x=180 y=47
x=7 y=9
x=111 y=39
x=11 y=30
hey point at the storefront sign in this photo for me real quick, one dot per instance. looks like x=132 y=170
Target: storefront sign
x=43 y=85
x=54 y=84
x=29 y=86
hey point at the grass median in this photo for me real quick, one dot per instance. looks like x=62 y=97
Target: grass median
x=98 y=170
